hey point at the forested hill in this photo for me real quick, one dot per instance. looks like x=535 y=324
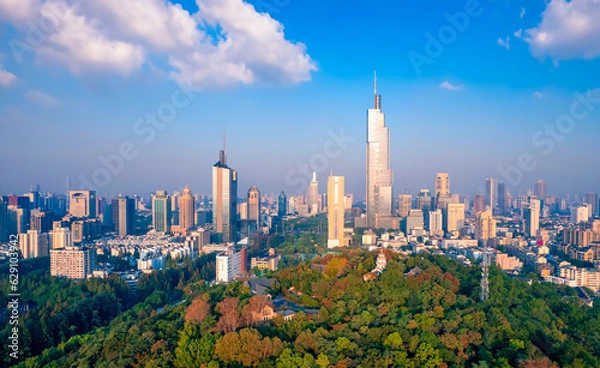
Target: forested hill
x=431 y=318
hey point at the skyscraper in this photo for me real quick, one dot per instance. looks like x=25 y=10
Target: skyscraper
x=123 y=215
x=592 y=199
x=531 y=217
x=312 y=195
x=281 y=205
x=82 y=203
x=186 y=211
x=478 y=204
x=404 y=204
x=455 y=217
x=442 y=187
x=335 y=212
x=161 y=212
x=254 y=204
x=224 y=199
x=424 y=200
x=503 y=198
x=540 y=190
x=485 y=227
x=491 y=193
x=379 y=174
x=435 y=223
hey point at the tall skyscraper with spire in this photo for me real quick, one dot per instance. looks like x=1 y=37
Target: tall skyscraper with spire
x=379 y=175
x=224 y=198
x=312 y=195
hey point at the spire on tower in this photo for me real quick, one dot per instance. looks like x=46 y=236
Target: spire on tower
x=376 y=96
x=375 y=82
x=222 y=155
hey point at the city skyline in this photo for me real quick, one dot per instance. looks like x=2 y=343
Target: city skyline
x=496 y=102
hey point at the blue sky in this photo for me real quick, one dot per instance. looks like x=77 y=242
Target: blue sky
x=283 y=86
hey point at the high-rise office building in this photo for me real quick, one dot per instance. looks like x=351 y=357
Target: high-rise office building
x=478 y=204
x=348 y=201
x=442 y=187
x=186 y=211
x=592 y=199
x=436 y=223
x=540 y=190
x=33 y=244
x=82 y=203
x=224 y=199
x=17 y=223
x=531 y=217
x=24 y=204
x=161 y=212
x=312 y=195
x=254 y=204
x=503 y=198
x=424 y=200
x=455 y=217
x=282 y=205
x=72 y=262
x=243 y=210
x=491 y=193
x=485 y=227
x=335 y=212
x=404 y=204
x=124 y=215
x=41 y=220
x=379 y=175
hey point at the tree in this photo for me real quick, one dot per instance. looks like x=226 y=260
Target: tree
x=230 y=319
x=393 y=341
x=246 y=347
x=197 y=311
x=192 y=349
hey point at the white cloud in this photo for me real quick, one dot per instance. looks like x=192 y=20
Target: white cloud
x=538 y=94
x=18 y=11
x=519 y=33
x=82 y=47
x=522 y=14
x=227 y=42
x=41 y=98
x=6 y=78
x=451 y=87
x=504 y=43
x=159 y=23
x=251 y=48
x=568 y=30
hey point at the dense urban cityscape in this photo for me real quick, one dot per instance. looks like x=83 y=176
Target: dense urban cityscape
x=331 y=269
